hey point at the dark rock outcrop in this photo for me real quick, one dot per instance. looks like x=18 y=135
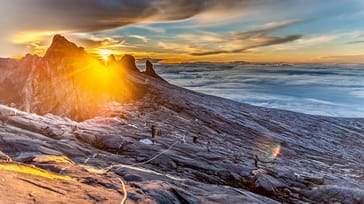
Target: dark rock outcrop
x=61 y=47
x=127 y=62
x=149 y=70
x=111 y=60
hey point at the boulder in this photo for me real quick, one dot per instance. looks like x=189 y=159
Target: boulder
x=267 y=184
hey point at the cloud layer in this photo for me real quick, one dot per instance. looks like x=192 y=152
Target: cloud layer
x=309 y=88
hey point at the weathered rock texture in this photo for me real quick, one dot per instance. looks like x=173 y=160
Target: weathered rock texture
x=320 y=158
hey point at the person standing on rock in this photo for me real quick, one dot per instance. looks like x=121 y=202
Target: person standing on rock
x=153 y=133
x=4 y=157
x=194 y=139
x=256 y=161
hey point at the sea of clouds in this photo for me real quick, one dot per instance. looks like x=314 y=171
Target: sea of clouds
x=331 y=90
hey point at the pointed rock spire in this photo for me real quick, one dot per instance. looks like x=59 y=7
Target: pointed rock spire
x=150 y=70
x=111 y=59
x=61 y=47
x=128 y=63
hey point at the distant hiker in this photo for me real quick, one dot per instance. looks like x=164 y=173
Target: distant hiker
x=194 y=139
x=153 y=131
x=153 y=134
x=208 y=146
x=4 y=157
x=256 y=160
x=178 y=169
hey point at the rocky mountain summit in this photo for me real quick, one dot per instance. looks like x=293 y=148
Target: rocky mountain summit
x=67 y=81
x=74 y=129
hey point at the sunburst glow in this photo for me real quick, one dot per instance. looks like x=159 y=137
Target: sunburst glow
x=105 y=54
x=33 y=171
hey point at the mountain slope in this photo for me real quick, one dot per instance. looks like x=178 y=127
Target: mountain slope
x=210 y=150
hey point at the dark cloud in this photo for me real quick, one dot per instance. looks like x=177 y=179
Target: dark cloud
x=267 y=42
x=183 y=9
x=152 y=60
x=92 y=42
x=265 y=29
x=356 y=42
x=96 y=15
x=48 y=17
x=259 y=37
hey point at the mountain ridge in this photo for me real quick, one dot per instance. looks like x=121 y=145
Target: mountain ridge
x=207 y=150
x=67 y=79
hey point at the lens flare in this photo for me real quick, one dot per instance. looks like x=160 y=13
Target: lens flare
x=268 y=149
x=275 y=151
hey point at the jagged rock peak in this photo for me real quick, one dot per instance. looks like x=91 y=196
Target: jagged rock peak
x=111 y=59
x=149 y=70
x=30 y=57
x=128 y=62
x=59 y=39
x=61 y=47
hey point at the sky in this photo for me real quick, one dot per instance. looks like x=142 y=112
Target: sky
x=294 y=31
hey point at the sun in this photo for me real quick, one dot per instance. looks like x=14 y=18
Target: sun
x=105 y=54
